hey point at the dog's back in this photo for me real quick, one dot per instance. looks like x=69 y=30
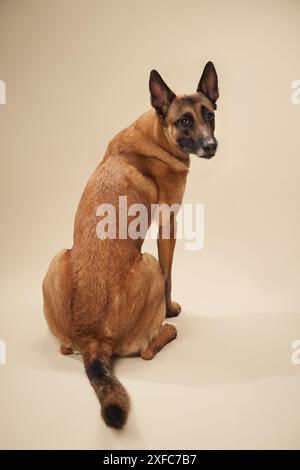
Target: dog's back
x=105 y=297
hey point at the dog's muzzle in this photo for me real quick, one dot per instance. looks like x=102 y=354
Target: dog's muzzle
x=207 y=147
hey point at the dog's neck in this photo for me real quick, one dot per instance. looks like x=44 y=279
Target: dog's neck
x=151 y=126
x=148 y=137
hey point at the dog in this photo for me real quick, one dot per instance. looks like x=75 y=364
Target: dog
x=104 y=297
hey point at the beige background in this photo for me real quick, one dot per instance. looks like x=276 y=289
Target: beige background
x=76 y=73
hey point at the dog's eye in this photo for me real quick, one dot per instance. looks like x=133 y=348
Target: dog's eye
x=208 y=115
x=186 y=121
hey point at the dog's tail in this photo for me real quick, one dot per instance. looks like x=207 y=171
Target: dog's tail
x=111 y=393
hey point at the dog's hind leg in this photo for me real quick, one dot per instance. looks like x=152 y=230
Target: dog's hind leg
x=165 y=335
x=57 y=290
x=147 y=335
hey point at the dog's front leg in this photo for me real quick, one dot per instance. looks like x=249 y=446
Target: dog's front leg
x=166 y=244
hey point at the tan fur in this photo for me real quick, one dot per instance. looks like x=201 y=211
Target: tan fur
x=107 y=289
x=104 y=297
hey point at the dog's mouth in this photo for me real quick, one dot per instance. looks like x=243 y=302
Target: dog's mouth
x=206 y=149
x=200 y=153
x=205 y=153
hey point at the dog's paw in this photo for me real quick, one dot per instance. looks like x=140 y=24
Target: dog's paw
x=66 y=350
x=148 y=354
x=173 y=310
x=170 y=330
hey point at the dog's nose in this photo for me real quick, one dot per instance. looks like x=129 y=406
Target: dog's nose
x=210 y=145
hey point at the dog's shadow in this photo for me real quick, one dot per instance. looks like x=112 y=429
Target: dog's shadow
x=217 y=350
x=220 y=350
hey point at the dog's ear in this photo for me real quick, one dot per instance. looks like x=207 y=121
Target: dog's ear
x=161 y=95
x=208 y=84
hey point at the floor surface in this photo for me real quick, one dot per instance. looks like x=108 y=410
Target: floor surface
x=225 y=382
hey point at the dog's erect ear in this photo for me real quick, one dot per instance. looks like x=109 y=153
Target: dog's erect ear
x=161 y=95
x=208 y=84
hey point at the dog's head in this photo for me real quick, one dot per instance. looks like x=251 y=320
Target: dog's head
x=189 y=120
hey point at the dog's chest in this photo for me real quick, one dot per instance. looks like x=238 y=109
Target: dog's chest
x=171 y=189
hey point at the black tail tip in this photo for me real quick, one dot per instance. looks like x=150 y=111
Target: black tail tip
x=114 y=415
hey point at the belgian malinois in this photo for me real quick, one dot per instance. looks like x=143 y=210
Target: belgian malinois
x=104 y=297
